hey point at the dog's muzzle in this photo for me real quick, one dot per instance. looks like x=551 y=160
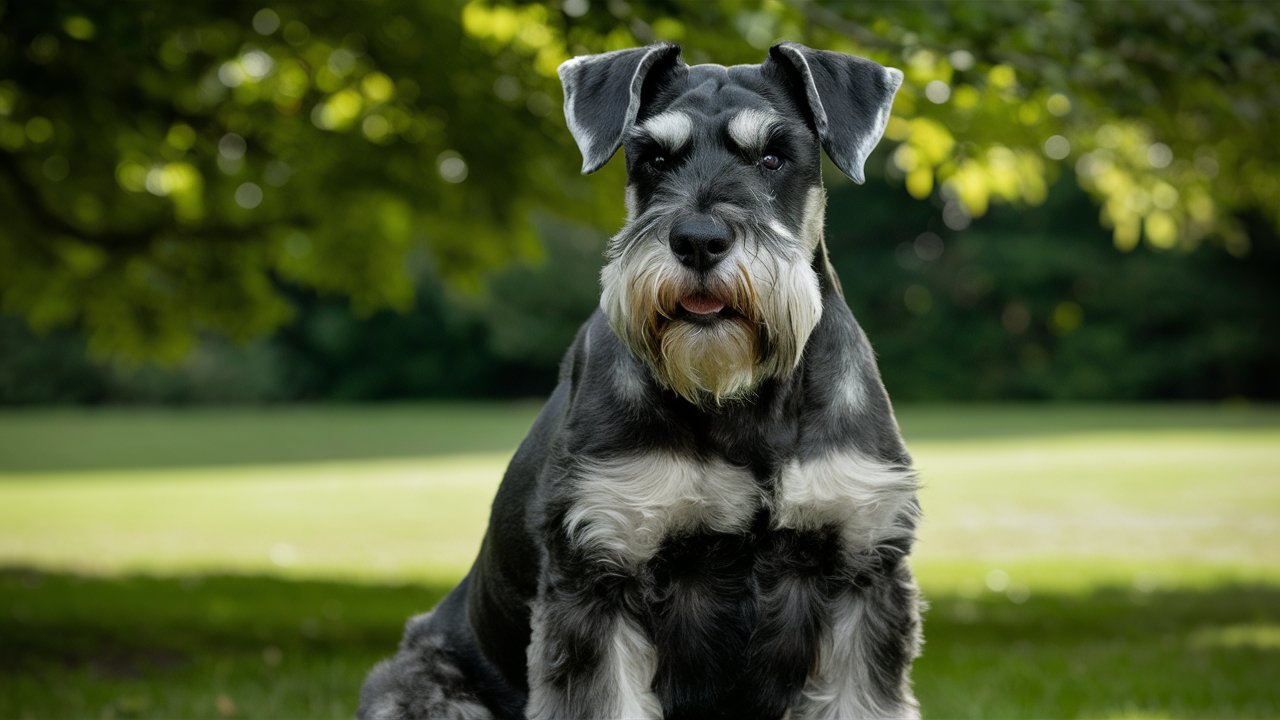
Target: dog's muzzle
x=711 y=304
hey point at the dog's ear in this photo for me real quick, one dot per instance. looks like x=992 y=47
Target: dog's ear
x=849 y=99
x=603 y=93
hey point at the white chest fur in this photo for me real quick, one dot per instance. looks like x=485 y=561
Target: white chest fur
x=867 y=498
x=626 y=507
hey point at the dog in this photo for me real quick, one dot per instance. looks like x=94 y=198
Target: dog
x=710 y=517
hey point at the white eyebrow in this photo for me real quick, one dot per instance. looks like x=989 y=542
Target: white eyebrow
x=751 y=129
x=672 y=129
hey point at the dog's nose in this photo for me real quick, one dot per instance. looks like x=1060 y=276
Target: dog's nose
x=700 y=243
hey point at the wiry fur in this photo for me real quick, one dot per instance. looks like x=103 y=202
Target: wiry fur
x=421 y=681
x=711 y=515
x=672 y=129
x=625 y=508
x=871 y=502
x=851 y=678
x=767 y=280
x=751 y=128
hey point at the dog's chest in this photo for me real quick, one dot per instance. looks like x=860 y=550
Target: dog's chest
x=625 y=509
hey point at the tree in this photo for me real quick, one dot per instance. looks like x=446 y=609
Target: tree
x=167 y=170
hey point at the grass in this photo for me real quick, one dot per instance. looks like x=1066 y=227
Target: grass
x=1108 y=561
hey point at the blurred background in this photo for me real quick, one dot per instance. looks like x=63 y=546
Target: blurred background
x=282 y=283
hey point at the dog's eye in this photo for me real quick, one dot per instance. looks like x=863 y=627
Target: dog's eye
x=771 y=162
x=658 y=162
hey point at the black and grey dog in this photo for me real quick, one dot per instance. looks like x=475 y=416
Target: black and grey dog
x=711 y=515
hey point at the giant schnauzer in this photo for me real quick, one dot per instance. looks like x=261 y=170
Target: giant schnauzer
x=711 y=515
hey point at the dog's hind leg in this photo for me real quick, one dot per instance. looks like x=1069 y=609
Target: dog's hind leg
x=422 y=681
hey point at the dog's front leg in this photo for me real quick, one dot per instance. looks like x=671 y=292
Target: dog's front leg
x=866 y=653
x=794 y=601
x=589 y=657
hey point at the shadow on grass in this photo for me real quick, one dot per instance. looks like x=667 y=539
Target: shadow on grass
x=147 y=438
x=258 y=646
x=193 y=647
x=1109 y=652
x=959 y=422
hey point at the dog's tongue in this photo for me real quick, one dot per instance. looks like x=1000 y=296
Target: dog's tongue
x=701 y=305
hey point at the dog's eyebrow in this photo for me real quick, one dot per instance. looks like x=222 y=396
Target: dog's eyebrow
x=751 y=128
x=672 y=129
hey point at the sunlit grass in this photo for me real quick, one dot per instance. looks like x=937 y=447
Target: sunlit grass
x=1100 y=562
x=1154 y=497
x=369 y=519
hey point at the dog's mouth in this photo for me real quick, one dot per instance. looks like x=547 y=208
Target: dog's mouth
x=701 y=307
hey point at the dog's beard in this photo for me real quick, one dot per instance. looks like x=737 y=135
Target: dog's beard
x=772 y=304
x=698 y=360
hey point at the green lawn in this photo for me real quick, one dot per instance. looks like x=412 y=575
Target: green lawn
x=1106 y=561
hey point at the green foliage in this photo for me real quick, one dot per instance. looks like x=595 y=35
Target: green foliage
x=166 y=172
x=164 y=169
x=1162 y=109
x=1040 y=306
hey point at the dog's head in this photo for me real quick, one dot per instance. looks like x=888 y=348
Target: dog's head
x=714 y=280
